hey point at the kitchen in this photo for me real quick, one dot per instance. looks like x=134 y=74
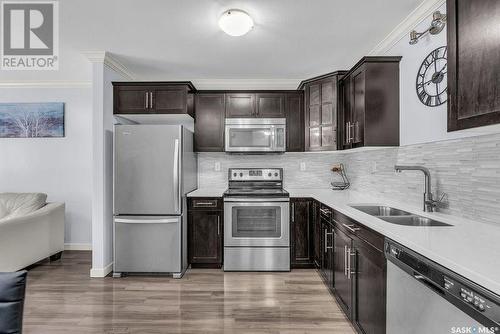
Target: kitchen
x=360 y=199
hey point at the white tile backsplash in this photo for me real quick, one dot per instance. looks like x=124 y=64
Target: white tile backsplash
x=468 y=170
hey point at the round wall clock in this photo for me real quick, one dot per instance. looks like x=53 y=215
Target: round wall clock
x=432 y=80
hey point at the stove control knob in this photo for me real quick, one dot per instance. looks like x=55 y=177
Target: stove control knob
x=234 y=174
x=276 y=174
x=241 y=174
x=480 y=307
x=269 y=174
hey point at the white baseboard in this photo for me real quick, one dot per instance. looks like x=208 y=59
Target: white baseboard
x=77 y=246
x=101 y=272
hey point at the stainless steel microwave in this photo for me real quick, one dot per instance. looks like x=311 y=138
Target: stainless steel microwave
x=255 y=134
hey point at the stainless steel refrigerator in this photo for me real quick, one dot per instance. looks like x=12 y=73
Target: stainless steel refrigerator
x=154 y=168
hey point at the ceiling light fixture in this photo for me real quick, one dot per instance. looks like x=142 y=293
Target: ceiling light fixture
x=235 y=22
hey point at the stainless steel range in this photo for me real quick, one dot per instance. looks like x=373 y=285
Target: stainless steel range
x=256 y=221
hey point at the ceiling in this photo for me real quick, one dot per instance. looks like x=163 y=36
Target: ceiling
x=178 y=40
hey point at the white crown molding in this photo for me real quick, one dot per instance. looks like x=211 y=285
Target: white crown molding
x=78 y=246
x=426 y=8
x=106 y=58
x=235 y=84
x=45 y=84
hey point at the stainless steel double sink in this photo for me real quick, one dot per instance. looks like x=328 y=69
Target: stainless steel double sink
x=396 y=216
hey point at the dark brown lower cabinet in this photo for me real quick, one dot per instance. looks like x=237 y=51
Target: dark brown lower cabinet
x=205 y=233
x=370 y=288
x=327 y=262
x=316 y=221
x=343 y=280
x=301 y=230
x=360 y=274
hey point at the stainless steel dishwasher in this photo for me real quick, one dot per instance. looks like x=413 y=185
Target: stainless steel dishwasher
x=424 y=297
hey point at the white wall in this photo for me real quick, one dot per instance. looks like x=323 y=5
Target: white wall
x=419 y=123
x=102 y=165
x=60 y=167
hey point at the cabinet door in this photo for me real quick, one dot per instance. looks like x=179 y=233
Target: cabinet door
x=317 y=234
x=270 y=105
x=473 y=63
x=327 y=253
x=240 y=105
x=329 y=114
x=169 y=100
x=301 y=233
x=346 y=111
x=343 y=282
x=358 y=107
x=209 y=123
x=205 y=237
x=131 y=100
x=294 y=122
x=370 y=282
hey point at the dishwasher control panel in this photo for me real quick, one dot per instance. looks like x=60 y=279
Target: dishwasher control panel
x=472 y=298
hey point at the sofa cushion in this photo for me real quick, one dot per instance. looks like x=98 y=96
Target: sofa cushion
x=20 y=204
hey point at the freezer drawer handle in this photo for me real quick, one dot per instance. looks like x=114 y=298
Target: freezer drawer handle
x=149 y=221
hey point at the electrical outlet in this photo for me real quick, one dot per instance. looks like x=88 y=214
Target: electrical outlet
x=302 y=166
x=217 y=166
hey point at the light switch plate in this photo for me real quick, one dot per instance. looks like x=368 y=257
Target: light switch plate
x=217 y=166
x=302 y=166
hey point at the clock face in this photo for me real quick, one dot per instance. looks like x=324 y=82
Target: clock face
x=432 y=80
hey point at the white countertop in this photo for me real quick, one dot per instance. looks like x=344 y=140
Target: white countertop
x=207 y=192
x=469 y=248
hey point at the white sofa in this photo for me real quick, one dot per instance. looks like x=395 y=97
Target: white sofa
x=30 y=230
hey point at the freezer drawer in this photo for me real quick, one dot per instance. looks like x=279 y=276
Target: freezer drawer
x=147 y=244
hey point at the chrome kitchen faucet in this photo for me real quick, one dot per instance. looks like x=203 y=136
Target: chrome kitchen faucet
x=430 y=204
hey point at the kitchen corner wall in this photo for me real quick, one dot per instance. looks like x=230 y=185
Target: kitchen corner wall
x=467 y=170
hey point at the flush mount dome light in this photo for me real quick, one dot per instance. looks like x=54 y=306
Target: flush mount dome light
x=235 y=22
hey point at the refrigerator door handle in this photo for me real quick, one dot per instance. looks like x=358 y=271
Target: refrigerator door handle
x=177 y=190
x=146 y=221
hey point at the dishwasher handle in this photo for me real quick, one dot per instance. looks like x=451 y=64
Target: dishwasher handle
x=427 y=282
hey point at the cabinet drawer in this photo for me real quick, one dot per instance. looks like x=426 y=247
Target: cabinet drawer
x=205 y=203
x=354 y=228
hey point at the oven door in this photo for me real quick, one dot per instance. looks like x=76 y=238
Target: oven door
x=254 y=137
x=256 y=223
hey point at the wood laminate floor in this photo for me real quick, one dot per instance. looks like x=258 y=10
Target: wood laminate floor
x=61 y=298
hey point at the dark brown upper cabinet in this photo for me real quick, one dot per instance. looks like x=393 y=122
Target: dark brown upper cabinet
x=473 y=63
x=213 y=107
x=240 y=105
x=153 y=98
x=294 y=105
x=321 y=111
x=209 y=122
x=370 y=103
x=270 y=105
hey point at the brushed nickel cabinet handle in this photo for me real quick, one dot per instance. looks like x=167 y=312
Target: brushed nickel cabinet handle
x=351 y=228
x=218 y=225
x=151 y=100
x=345 y=260
x=147 y=100
x=293 y=212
